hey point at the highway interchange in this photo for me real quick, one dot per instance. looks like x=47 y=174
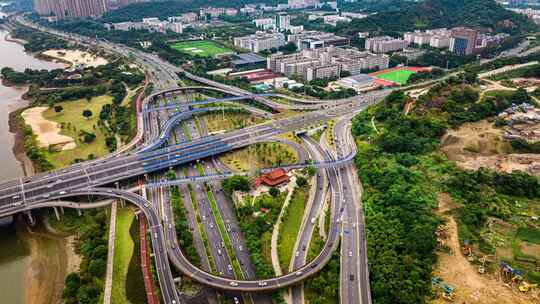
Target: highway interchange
x=159 y=153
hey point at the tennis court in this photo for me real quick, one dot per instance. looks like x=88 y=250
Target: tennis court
x=201 y=48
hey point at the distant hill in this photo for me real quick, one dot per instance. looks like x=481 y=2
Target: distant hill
x=484 y=14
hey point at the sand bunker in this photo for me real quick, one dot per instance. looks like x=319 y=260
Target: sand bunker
x=47 y=132
x=76 y=57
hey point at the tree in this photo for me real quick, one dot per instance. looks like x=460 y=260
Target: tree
x=88 y=137
x=87 y=113
x=311 y=170
x=274 y=192
x=301 y=181
x=97 y=267
x=58 y=109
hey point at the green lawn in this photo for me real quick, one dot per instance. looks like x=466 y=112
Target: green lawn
x=201 y=48
x=397 y=76
x=73 y=123
x=290 y=226
x=123 y=251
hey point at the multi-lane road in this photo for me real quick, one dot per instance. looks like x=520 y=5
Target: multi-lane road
x=83 y=179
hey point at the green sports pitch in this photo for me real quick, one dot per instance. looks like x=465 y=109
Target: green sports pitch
x=201 y=48
x=398 y=76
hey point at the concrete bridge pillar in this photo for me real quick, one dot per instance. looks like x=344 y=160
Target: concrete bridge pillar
x=79 y=212
x=56 y=213
x=31 y=219
x=62 y=210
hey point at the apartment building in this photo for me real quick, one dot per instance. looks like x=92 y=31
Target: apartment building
x=260 y=41
x=265 y=23
x=385 y=44
x=310 y=64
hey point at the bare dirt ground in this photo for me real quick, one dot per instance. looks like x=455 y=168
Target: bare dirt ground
x=470 y=286
x=47 y=132
x=76 y=57
x=480 y=144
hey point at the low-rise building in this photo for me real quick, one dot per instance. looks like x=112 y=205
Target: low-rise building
x=333 y=20
x=359 y=83
x=308 y=39
x=274 y=178
x=248 y=60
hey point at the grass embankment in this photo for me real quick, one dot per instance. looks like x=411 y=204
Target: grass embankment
x=290 y=226
x=72 y=123
x=260 y=155
x=123 y=253
x=135 y=289
x=216 y=122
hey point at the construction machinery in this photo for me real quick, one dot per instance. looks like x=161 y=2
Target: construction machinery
x=466 y=248
x=525 y=287
x=446 y=289
x=508 y=272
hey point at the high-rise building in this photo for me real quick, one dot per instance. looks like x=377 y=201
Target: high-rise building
x=463 y=41
x=66 y=9
x=284 y=21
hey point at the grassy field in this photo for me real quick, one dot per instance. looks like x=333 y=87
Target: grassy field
x=73 y=123
x=201 y=48
x=123 y=251
x=291 y=225
x=261 y=155
x=397 y=76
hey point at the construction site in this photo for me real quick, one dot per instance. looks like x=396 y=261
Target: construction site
x=465 y=274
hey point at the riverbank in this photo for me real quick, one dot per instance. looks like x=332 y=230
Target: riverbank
x=52 y=258
x=38 y=260
x=16 y=127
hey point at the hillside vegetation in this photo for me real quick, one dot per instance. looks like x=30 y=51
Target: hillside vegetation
x=486 y=14
x=403 y=171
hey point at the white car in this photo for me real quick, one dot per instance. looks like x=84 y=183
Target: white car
x=233 y=283
x=263 y=283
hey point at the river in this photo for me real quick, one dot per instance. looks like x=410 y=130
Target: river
x=14 y=243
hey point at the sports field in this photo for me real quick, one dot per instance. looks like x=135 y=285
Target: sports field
x=201 y=48
x=398 y=76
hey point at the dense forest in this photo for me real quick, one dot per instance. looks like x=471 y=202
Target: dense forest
x=486 y=14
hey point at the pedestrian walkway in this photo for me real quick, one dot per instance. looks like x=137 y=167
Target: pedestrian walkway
x=110 y=256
